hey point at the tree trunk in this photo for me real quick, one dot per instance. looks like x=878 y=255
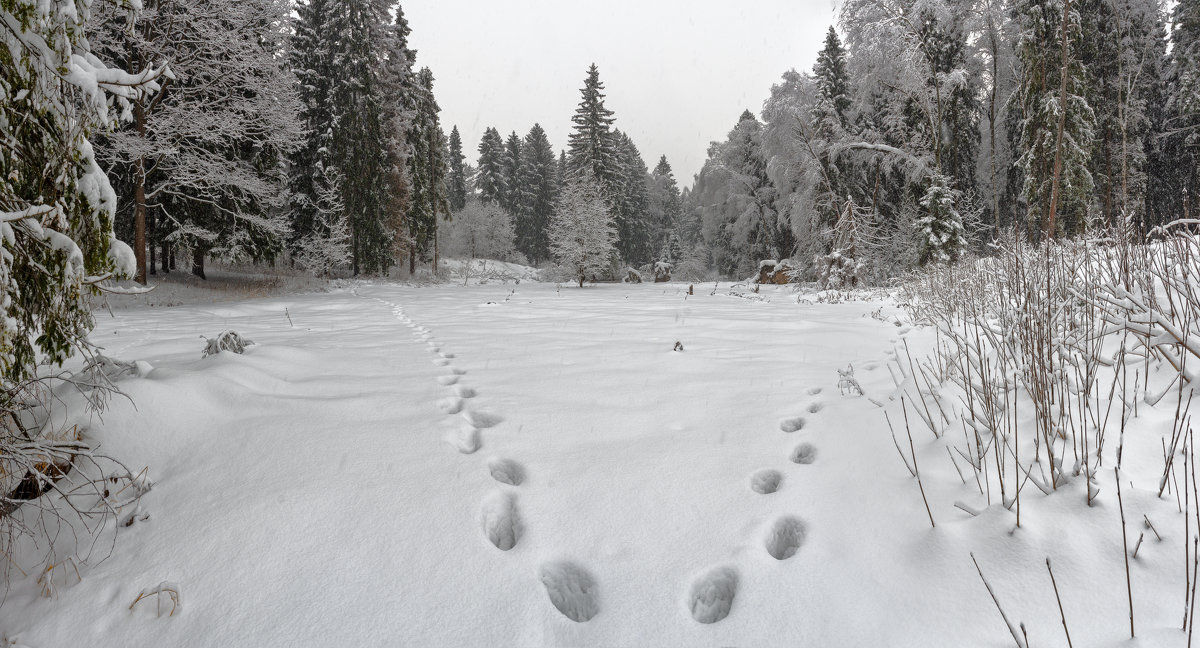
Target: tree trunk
x=435 y=245
x=172 y=257
x=151 y=226
x=167 y=262
x=1062 y=121
x=198 y=263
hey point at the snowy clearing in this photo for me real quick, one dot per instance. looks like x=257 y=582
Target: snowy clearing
x=524 y=465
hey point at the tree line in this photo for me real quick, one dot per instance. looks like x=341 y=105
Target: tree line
x=925 y=129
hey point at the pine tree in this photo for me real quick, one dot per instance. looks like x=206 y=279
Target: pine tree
x=1184 y=108
x=833 y=80
x=539 y=191
x=489 y=179
x=592 y=147
x=56 y=204
x=582 y=233
x=458 y=177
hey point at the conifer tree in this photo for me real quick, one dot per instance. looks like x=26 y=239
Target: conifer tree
x=510 y=198
x=56 y=204
x=592 y=147
x=458 y=178
x=539 y=191
x=941 y=236
x=1056 y=136
x=428 y=169
x=631 y=203
x=665 y=210
x=489 y=178
x=833 y=80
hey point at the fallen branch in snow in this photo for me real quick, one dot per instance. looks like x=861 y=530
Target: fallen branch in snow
x=1060 y=605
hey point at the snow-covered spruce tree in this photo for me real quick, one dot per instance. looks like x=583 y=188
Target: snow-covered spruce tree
x=539 y=191
x=427 y=169
x=631 y=203
x=510 y=198
x=592 y=146
x=489 y=177
x=361 y=34
x=940 y=230
x=457 y=189
x=582 y=232
x=311 y=59
x=1056 y=136
x=664 y=211
x=400 y=94
x=205 y=158
x=56 y=204
x=1183 y=114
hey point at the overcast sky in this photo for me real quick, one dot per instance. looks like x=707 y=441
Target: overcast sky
x=677 y=72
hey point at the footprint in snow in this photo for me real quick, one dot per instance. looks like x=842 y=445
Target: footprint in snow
x=785 y=537
x=441 y=362
x=711 y=596
x=447 y=380
x=466 y=440
x=816 y=407
x=794 y=424
x=445 y=355
x=805 y=453
x=464 y=392
x=501 y=521
x=457 y=371
x=482 y=419
x=813 y=391
x=450 y=404
x=507 y=471
x=765 y=481
x=572 y=590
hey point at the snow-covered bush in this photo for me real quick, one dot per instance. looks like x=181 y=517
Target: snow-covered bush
x=940 y=227
x=483 y=231
x=225 y=341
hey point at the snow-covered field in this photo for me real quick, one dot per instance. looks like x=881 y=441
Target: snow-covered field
x=524 y=465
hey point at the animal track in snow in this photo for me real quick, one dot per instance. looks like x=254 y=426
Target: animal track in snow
x=765 y=481
x=464 y=392
x=712 y=594
x=441 y=362
x=794 y=424
x=501 y=521
x=507 y=471
x=445 y=355
x=450 y=404
x=816 y=407
x=447 y=380
x=785 y=537
x=457 y=371
x=482 y=419
x=805 y=453
x=813 y=391
x=572 y=590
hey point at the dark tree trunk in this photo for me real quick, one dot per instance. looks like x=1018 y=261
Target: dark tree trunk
x=151 y=226
x=167 y=260
x=198 y=263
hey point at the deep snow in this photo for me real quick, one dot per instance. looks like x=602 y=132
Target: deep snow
x=530 y=465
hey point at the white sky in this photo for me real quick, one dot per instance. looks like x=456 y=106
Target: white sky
x=677 y=72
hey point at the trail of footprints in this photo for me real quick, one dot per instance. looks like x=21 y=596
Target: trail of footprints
x=570 y=587
x=711 y=596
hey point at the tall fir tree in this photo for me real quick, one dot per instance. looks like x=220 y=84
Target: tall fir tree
x=428 y=169
x=510 y=197
x=631 y=203
x=666 y=208
x=538 y=193
x=489 y=177
x=458 y=178
x=591 y=145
